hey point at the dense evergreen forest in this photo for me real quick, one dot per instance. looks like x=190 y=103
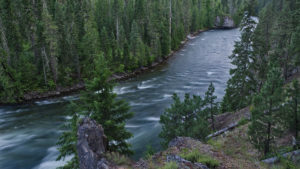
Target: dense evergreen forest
x=265 y=78
x=46 y=44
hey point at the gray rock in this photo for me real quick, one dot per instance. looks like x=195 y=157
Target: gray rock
x=91 y=145
x=226 y=22
x=178 y=141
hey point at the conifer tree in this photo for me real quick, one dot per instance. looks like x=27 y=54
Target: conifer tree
x=242 y=84
x=100 y=104
x=266 y=112
x=293 y=107
x=185 y=118
x=212 y=106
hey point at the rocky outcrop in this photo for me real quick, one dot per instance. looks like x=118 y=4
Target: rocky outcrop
x=225 y=22
x=91 y=146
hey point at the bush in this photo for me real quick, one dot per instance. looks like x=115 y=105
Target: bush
x=170 y=165
x=196 y=156
x=243 y=121
x=117 y=158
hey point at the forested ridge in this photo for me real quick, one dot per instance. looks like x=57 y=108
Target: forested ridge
x=47 y=44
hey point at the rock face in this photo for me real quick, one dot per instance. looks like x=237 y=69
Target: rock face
x=91 y=145
x=227 y=22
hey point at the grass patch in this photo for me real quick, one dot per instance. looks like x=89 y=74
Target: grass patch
x=217 y=145
x=196 y=156
x=170 y=165
x=117 y=158
x=243 y=121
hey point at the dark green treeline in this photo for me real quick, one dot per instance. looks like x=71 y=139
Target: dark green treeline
x=45 y=44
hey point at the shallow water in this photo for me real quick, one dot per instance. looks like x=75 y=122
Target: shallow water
x=28 y=133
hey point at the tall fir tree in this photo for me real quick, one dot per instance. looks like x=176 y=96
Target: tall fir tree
x=212 y=106
x=293 y=108
x=242 y=84
x=99 y=103
x=266 y=112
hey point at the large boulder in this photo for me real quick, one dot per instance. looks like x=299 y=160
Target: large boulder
x=91 y=145
x=226 y=22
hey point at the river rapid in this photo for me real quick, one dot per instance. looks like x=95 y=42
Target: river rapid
x=28 y=133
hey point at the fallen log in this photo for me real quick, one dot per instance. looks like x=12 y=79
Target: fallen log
x=217 y=133
x=290 y=155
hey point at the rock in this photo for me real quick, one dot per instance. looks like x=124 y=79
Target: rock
x=91 y=145
x=227 y=22
x=178 y=141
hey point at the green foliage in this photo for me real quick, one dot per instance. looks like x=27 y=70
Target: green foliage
x=196 y=156
x=189 y=117
x=49 y=41
x=243 y=121
x=293 y=109
x=242 y=84
x=170 y=165
x=68 y=140
x=117 y=158
x=149 y=152
x=266 y=114
x=211 y=105
x=104 y=108
x=185 y=118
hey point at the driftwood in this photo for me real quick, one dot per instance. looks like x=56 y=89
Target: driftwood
x=230 y=127
x=291 y=155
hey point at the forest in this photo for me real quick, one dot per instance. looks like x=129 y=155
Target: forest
x=47 y=44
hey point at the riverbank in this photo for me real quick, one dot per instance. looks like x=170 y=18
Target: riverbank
x=117 y=77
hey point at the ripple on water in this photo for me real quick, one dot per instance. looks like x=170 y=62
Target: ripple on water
x=46 y=102
x=123 y=90
x=49 y=161
x=152 y=118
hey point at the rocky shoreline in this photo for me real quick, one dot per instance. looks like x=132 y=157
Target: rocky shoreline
x=118 y=77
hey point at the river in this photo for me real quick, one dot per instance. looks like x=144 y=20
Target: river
x=28 y=133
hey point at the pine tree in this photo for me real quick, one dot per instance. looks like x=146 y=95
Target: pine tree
x=185 y=118
x=242 y=84
x=108 y=111
x=212 y=106
x=100 y=104
x=266 y=113
x=293 y=107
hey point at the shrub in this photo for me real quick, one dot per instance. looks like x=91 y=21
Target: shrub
x=170 y=165
x=196 y=156
x=117 y=158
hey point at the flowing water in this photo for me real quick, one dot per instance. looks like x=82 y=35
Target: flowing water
x=28 y=133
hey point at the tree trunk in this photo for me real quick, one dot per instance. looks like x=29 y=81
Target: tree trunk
x=267 y=143
x=296 y=119
x=4 y=42
x=170 y=23
x=212 y=115
x=117 y=30
x=45 y=64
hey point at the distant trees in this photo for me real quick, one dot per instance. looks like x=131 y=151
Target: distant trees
x=189 y=117
x=44 y=43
